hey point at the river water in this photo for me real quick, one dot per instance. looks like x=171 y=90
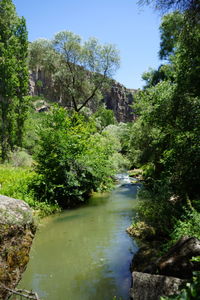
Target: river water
x=85 y=253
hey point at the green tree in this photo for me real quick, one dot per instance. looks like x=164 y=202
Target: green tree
x=72 y=159
x=79 y=71
x=166 y=5
x=13 y=76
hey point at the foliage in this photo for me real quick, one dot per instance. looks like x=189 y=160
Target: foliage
x=15 y=181
x=165 y=135
x=104 y=117
x=78 y=70
x=20 y=158
x=13 y=77
x=187 y=225
x=156 y=212
x=72 y=159
x=167 y=5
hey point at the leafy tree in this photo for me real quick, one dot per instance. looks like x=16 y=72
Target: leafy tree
x=13 y=76
x=79 y=71
x=104 y=117
x=72 y=159
x=170 y=31
x=166 y=5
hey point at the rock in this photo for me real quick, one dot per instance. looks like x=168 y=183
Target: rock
x=117 y=97
x=177 y=261
x=142 y=231
x=152 y=287
x=43 y=108
x=17 y=230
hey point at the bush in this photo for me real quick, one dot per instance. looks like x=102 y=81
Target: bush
x=157 y=211
x=15 y=181
x=187 y=225
x=72 y=159
x=20 y=158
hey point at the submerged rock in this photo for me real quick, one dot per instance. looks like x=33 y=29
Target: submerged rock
x=17 y=230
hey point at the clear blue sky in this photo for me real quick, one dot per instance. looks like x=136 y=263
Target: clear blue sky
x=133 y=30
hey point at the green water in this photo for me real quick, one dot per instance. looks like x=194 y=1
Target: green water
x=85 y=253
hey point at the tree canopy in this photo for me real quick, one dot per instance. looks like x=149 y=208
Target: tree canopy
x=13 y=76
x=79 y=70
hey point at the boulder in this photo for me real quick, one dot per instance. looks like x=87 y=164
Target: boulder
x=152 y=287
x=17 y=230
x=177 y=261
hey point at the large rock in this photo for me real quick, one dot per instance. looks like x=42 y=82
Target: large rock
x=17 y=230
x=152 y=287
x=120 y=100
x=177 y=261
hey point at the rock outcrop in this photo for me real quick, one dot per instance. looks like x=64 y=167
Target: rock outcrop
x=117 y=98
x=152 y=287
x=17 y=230
x=164 y=276
x=177 y=261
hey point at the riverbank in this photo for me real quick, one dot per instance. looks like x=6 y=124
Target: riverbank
x=164 y=250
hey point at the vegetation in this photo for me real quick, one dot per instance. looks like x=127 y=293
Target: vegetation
x=13 y=77
x=14 y=182
x=164 y=139
x=68 y=166
x=78 y=71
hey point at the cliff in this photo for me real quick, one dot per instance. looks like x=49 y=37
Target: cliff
x=117 y=98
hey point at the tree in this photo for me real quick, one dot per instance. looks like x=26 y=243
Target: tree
x=13 y=76
x=166 y=5
x=79 y=71
x=73 y=159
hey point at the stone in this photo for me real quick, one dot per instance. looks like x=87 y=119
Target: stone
x=120 y=100
x=117 y=97
x=177 y=261
x=152 y=287
x=17 y=231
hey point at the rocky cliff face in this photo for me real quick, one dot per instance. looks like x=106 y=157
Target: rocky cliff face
x=118 y=98
x=17 y=230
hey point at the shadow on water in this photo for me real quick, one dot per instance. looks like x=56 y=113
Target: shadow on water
x=85 y=253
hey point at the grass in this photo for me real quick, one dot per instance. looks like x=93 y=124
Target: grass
x=14 y=182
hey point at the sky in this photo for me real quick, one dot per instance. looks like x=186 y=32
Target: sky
x=132 y=29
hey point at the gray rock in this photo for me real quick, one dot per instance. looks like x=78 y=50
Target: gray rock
x=13 y=211
x=17 y=231
x=152 y=287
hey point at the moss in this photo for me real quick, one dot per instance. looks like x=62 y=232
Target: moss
x=142 y=231
x=15 y=245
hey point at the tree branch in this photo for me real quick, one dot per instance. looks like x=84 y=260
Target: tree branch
x=22 y=293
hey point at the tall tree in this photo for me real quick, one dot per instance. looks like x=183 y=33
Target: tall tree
x=13 y=76
x=166 y=5
x=79 y=70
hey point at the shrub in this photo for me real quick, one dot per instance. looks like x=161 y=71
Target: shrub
x=72 y=159
x=15 y=181
x=20 y=158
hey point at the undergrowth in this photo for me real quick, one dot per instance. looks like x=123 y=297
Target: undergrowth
x=15 y=181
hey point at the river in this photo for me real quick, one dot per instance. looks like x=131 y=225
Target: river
x=85 y=253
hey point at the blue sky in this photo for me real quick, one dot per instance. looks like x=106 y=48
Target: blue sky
x=132 y=29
